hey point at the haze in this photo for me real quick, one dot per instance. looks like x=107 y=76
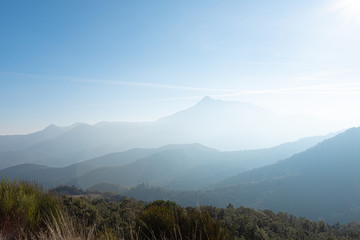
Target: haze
x=180 y=119
x=90 y=61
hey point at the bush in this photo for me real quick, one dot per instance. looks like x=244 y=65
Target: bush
x=167 y=220
x=27 y=212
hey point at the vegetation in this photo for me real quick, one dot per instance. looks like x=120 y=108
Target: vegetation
x=319 y=183
x=25 y=206
x=27 y=212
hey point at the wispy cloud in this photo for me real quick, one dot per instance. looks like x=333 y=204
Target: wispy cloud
x=349 y=88
x=116 y=82
x=326 y=89
x=270 y=63
x=142 y=101
x=153 y=85
x=289 y=63
x=352 y=88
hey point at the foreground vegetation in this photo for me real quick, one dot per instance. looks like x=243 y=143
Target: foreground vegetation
x=27 y=212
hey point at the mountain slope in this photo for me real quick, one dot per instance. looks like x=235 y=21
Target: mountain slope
x=21 y=142
x=79 y=143
x=200 y=166
x=191 y=166
x=320 y=183
x=218 y=124
x=51 y=176
x=233 y=126
x=157 y=169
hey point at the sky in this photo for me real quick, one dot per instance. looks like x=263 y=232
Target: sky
x=68 y=61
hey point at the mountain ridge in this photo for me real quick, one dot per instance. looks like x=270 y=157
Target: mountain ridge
x=215 y=164
x=217 y=124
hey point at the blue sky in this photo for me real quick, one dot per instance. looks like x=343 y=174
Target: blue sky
x=88 y=61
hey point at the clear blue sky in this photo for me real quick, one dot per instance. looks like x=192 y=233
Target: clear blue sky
x=88 y=61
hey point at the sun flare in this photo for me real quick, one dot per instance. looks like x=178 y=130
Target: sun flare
x=348 y=11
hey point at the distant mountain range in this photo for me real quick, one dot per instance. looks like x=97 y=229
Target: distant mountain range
x=192 y=166
x=321 y=183
x=217 y=124
x=182 y=167
x=316 y=177
x=22 y=142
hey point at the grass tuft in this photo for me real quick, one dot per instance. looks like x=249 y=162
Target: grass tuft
x=25 y=206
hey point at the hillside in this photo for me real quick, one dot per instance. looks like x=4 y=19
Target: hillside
x=106 y=216
x=319 y=183
x=207 y=123
x=21 y=142
x=182 y=167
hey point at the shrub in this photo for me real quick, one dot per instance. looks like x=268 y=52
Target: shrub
x=167 y=220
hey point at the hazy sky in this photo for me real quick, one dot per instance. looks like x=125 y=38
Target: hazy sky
x=88 y=61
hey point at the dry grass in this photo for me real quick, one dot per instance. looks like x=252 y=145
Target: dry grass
x=27 y=213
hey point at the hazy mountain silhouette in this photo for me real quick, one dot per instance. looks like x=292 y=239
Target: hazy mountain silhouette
x=319 y=183
x=21 y=142
x=52 y=176
x=79 y=143
x=217 y=124
x=185 y=167
x=229 y=125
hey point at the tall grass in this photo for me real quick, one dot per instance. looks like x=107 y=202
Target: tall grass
x=63 y=227
x=27 y=212
x=25 y=208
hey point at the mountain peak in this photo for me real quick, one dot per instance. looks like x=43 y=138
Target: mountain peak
x=206 y=100
x=51 y=127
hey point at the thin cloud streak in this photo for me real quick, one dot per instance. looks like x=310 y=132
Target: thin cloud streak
x=271 y=63
x=294 y=64
x=113 y=82
x=351 y=88
x=141 y=101
x=153 y=85
x=328 y=89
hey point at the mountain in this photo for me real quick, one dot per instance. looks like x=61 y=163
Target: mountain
x=182 y=167
x=21 y=142
x=233 y=126
x=159 y=168
x=41 y=174
x=333 y=154
x=79 y=143
x=132 y=161
x=228 y=163
x=319 y=183
x=53 y=176
x=218 y=124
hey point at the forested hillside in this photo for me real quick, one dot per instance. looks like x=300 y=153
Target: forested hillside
x=26 y=212
x=320 y=183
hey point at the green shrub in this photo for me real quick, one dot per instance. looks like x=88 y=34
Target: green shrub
x=157 y=221
x=167 y=220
